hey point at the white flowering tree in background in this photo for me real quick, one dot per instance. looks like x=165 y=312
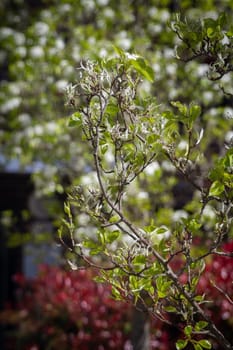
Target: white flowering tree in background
x=41 y=47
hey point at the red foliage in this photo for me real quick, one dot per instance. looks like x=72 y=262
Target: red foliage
x=70 y=311
x=217 y=284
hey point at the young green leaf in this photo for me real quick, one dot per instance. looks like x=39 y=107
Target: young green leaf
x=112 y=236
x=188 y=330
x=197 y=346
x=181 y=344
x=75 y=119
x=141 y=66
x=216 y=188
x=194 y=111
x=200 y=325
x=205 y=344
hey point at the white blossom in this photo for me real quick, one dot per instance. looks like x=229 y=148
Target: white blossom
x=167 y=166
x=103 y=52
x=24 y=119
x=10 y=104
x=155 y=28
x=202 y=70
x=36 y=52
x=5 y=32
x=152 y=11
x=51 y=127
x=156 y=67
x=142 y=195
x=152 y=168
x=42 y=41
x=75 y=53
x=89 y=179
x=229 y=136
x=183 y=145
x=83 y=219
x=21 y=51
x=61 y=85
x=124 y=41
x=171 y=69
x=168 y=53
x=164 y=15
x=38 y=130
x=59 y=44
x=46 y=14
x=65 y=8
x=102 y=2
x=88 y=4
x=108 y=13
x=19 y=38
x=179 y=214
x=14 y=89
x=228 y=112
x=208 y=213
x=208 y=96
x=41 y=28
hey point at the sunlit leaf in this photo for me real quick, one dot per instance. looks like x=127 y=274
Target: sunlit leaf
x=216 y=188
x=205 y=344
x=181 y=344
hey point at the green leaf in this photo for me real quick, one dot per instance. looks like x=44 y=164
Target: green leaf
x=197 y=346
x=192 y=224
x=229 y=33
x=205 y=344
x=104 y=148
x=169 y=115
x=112 y=109
x=17 y=239
x=134 y=282
x=112 y=236
x=188 y=330
x=67 y=209
x=200 y=325
x=181 y=344
x=160 y=230
x=129 y=151
x=101 y=237
x=116 y=293
x=89 y=244
x=194 y=281
x=181 y=107
x=210 y=23
x=118 y=50
x=170 y=309
x=210 y=32
x=222 y=19
x=216 y=188
x=228 y=159
x=163 y=286
x=96 y=251
x=199 y=298
x=152 y=138
x=99 y=279
x=194 y=111
x=139 y=259
x=141 y=66
x=114 y=219
x=75 y=119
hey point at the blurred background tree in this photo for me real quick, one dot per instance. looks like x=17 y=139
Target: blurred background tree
x=42 y=45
